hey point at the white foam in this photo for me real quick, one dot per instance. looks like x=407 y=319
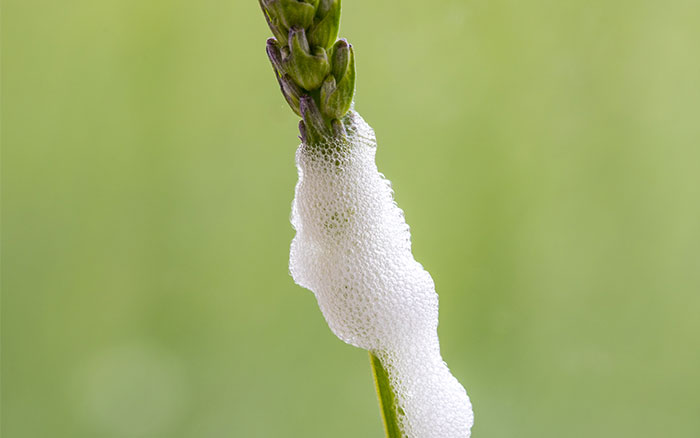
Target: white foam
x=353 y=250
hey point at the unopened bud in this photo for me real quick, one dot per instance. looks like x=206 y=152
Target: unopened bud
x=338 y=89
x=316 y=128
x=291 y=13
x=291 y=91
x=272 y=18
x=324 y=31
x=275 y=55
x=302 y=132
x=340 y=58
x=307 y=69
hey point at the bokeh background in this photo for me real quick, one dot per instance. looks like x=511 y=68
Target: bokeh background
x=546 y=154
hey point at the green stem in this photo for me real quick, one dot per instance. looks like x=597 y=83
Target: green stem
x=387 y=399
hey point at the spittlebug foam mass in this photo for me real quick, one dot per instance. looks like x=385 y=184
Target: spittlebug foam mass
x=353 y=250
x=353 y=247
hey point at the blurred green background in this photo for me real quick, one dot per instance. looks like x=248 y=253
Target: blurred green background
x=546 y=154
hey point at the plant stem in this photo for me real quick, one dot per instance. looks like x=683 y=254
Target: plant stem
x=387 y=399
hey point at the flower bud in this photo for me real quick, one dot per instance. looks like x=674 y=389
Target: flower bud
x=302 y=132
x=324 y=31
x=316 y=128
x=340 y=59
x=291 y=13
x=291 y=91
x=338 y=88
x=278 y=30
x=307 y=69
x=275 y=55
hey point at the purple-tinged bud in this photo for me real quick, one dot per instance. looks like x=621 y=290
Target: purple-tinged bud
x=316 y=127
x=275 y=55
x=302 y=133
x=270 y=12
x=291 y=92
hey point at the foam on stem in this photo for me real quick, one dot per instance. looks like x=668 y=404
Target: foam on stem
x=353 y=250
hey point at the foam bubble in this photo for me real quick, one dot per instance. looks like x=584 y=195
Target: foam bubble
x=353 y=250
